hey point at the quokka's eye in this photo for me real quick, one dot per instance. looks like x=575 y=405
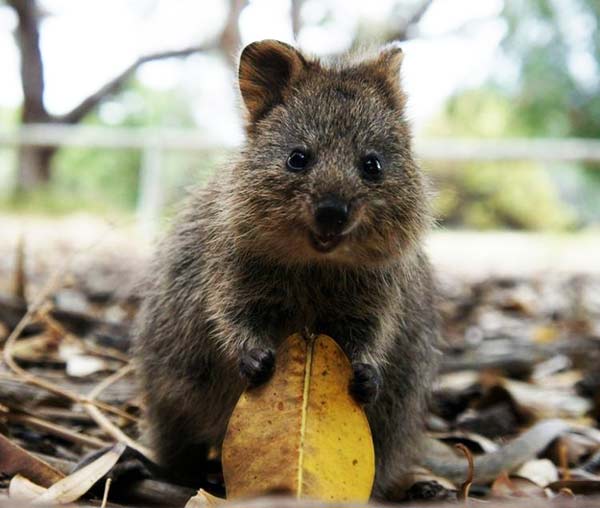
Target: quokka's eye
x=297 y=161
x=371 y=168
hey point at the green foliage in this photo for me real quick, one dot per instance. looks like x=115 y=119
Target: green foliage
x=54 y=200
x=556 y=48
x=8 y=118
x=96 y=176
x=520 y=195
x=492 y=195
x=479 y=113
x=108 y=178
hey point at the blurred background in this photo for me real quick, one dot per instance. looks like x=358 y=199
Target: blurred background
x=109 y=109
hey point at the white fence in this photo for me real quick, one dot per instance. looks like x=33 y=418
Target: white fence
x=154 y=142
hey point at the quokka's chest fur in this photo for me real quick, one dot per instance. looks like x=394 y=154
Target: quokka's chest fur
x=350 y=303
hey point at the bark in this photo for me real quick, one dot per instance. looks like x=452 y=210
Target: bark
x=34 y=162
x=34 y=167
x=32 y=69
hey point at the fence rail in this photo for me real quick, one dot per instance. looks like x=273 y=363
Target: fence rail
x=446 y=149
x=153 y=142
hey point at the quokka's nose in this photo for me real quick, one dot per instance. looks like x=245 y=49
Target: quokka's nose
x=331 y=215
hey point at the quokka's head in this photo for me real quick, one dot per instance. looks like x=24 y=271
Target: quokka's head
x=326 y=174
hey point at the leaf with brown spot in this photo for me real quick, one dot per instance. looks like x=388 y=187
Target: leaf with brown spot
x=301 y=433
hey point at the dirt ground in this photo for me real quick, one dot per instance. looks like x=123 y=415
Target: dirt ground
x=520 y=319
x=469 y=254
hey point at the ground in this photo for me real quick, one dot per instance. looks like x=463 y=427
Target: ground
x=521 y=323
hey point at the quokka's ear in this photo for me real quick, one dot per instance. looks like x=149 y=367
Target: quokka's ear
x=267 y=70
x=390 y=58
x=385 y=68
x=386 y=64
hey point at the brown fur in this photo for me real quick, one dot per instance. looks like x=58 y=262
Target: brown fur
x=238 y=271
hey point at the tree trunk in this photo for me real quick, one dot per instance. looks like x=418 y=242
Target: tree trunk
x=34 y=167
x=33 y=162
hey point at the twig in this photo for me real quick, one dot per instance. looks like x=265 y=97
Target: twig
x=54 y=413
x=3 y=332
x=34 y=380
x=566 y=492
x=57 y=430
x=107 y=352
x=60 y=330
x=19 y=281
x=53 y=282
x=563 y=459
x=106 y=489
x=466 y=486
x=104 y=423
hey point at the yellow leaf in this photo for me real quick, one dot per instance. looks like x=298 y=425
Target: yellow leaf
x=301 y=433
x=545 y=333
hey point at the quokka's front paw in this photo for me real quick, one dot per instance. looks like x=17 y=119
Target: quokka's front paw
x=365 y=383
x=257 y=365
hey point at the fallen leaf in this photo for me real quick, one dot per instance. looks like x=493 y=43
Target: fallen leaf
x=474 y=442
x=586 y=487
x=587 y=431
x=502 y=486
x=541 y=472
x=545 y=333
x=203 y=500
x=546 y=402
x=418 y=475
x=490 y=465
x=301 y=433
x=15 y=460
x=75 y=485
x=429 y=490
x=514 y=486
x=460 y=380
x=85 y=365
x=41 y=348
x=22 y=489
x=553 y=373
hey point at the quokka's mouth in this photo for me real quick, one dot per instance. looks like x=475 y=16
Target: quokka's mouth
x=325 y=243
